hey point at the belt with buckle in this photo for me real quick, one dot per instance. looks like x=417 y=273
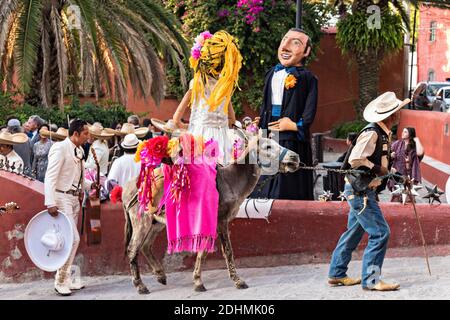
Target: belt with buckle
x=74 y=193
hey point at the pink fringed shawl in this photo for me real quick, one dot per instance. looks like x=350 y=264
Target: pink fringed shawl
x=192 y=223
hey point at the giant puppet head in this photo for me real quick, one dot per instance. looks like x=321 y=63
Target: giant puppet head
x=294 y=48
x=217 y=56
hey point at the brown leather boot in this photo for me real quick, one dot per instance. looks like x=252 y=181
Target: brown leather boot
x=383 y=286
x=334 y=282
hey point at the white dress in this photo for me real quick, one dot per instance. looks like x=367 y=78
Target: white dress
x=211 y=124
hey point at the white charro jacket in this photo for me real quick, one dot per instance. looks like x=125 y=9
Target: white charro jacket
x=63 y=170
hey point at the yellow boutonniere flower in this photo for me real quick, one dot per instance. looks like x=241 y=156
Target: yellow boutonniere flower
x=290 y=81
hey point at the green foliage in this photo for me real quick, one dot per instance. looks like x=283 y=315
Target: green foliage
x=345 y=128
x=355 y=37
x=106 y=113
x=113 y=44
x=258 y=42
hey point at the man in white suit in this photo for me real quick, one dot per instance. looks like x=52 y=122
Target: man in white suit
x=64 y=183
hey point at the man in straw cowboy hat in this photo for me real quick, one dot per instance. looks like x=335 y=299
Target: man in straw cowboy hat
x=370 y=154
x=99 y=135
x=127 y=128
x=64 y=183
x=24 y=150
x=7 y=153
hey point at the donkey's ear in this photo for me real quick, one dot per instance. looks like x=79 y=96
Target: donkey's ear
x=260 y=133
x=234 y=126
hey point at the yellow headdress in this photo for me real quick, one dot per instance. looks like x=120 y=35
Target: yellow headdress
x=221 y=59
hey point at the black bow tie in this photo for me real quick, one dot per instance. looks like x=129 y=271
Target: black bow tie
x=76 y=152
x=280 y=67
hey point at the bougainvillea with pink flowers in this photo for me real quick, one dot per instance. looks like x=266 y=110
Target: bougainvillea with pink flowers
x=252 y=8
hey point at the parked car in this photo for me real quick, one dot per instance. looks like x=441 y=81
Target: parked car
x=425 y=94
x=442 y=101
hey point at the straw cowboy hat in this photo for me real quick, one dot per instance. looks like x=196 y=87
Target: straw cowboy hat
x=383 y=107
x=59 y=135
x=97 y=131
x=168 y=126
x=12 y=138
x=128 y=128
x=49 y=240
x=130 y=141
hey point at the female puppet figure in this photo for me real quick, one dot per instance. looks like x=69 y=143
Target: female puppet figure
x=216 y=62
x=192 y=219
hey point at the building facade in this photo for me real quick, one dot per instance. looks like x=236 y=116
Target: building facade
x=433 y=44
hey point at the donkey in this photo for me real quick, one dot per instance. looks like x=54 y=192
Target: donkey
x=234 y=183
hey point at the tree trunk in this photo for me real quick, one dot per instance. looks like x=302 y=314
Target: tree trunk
x=34 y=97
x=368 y=62
x=369 y=75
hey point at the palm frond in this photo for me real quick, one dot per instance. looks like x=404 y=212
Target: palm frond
x=27 y=41
x=61 y=54
x=401 y=10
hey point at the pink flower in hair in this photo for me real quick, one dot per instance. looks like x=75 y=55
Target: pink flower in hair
x=206 y=34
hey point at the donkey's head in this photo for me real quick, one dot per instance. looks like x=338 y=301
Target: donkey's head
x=270 y=156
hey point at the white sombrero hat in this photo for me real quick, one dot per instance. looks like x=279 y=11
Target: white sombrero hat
x=12 y=138
x=97 y=131
x=168 y=126
x=49 y=240
x=59 y=135
x=383 y=106
x=128 y=128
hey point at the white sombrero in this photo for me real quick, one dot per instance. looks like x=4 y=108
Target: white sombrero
x=59 y=135
x=168 y=126
x=49 y=240
x=383 y=106
x=12 y=138
x=97 y=131
x=128 y=128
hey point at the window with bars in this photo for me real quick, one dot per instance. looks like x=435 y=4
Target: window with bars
x=431 y=75
x=433 y=27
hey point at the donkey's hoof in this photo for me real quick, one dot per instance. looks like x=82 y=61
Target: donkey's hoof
x=143 y=290
x=162 y=280
x=200 y=288
x=241 y=285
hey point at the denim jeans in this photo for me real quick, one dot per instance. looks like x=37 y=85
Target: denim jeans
x=371 y=220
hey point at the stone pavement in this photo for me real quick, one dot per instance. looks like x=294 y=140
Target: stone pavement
x=279 y=283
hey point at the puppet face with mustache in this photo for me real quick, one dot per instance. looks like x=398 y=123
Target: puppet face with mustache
x=293 y=48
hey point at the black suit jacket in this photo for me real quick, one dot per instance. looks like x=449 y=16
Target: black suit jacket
x=298 y=102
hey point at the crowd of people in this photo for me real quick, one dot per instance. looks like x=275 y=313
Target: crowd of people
x=24 y=148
